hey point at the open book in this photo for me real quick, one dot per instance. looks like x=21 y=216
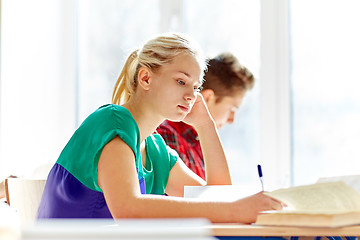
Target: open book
x=327 y=203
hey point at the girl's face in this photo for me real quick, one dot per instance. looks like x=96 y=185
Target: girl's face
x=223 y=112
x=174 y=86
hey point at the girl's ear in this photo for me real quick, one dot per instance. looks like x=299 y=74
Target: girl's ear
x=144 y=78
x=209 y=96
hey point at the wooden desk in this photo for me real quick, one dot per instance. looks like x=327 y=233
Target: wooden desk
x=229 y=229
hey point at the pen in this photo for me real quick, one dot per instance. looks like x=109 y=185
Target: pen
x=260 y=176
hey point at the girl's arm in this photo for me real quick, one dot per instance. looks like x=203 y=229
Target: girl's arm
x=117 y=177
x=216 y=167
x=180 y=176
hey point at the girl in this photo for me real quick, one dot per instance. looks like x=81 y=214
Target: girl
x=114 y=166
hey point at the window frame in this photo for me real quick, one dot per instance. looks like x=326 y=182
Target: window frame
x=275 y=93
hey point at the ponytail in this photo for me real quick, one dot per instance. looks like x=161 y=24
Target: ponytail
x=126 y=83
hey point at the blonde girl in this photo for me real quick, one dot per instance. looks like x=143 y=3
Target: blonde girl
x=115 y=166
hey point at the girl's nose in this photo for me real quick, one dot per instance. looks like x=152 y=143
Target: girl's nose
x=190 y=96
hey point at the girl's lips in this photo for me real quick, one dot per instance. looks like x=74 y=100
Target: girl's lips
x=184 y=108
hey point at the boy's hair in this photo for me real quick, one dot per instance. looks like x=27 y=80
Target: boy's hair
x=226 y=76
x=154 y=54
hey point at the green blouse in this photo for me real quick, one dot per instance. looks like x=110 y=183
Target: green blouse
x=81 y=155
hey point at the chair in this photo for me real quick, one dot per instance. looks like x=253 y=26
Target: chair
x=24 y=196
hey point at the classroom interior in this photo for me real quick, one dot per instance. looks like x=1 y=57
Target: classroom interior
x=60 y=60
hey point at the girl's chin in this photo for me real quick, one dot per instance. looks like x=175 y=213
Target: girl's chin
x=177 y=118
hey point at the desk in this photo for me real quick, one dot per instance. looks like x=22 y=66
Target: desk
x=229 y=229
x=166 y=229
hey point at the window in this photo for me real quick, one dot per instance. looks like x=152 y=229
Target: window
x=109 y=30
x=37 y=83
x=325 y=82
x=60 y=60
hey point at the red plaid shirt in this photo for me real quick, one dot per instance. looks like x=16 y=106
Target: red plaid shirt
x=184 y=139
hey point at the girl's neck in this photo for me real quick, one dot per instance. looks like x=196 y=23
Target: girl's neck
x=146 y=120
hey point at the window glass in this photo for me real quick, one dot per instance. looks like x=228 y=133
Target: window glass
x=36 y=117
x=325 y=82
x=107 y=32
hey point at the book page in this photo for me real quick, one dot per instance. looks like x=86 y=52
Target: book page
x=351 y=180
x=328 y=196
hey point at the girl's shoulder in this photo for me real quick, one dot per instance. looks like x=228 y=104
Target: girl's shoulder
x=111 y=113
x=107 y=121
x=112 y=108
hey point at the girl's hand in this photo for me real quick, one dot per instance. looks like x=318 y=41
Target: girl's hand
x=248 y=208
x=199 y=114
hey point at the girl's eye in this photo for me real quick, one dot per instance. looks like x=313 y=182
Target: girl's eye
x=181 y=82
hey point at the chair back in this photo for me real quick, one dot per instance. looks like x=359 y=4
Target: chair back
x=24 y=196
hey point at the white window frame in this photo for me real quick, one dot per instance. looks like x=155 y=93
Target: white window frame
x=275 y=98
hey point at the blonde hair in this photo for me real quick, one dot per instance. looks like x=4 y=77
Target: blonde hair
x=157 y=52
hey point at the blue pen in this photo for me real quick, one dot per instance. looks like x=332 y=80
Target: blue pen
x=260 y=176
